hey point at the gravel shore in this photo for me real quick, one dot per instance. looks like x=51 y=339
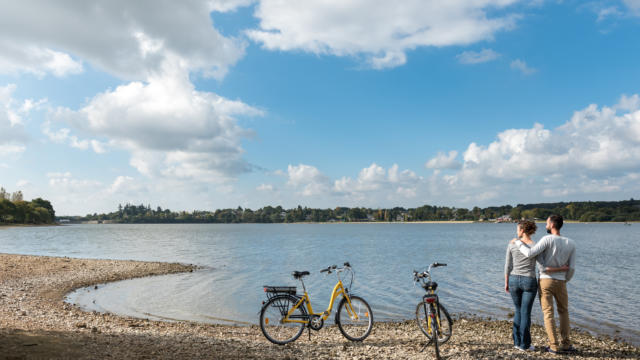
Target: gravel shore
x=36 y=323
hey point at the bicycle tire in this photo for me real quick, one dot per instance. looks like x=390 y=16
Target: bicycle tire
x=271 y=319
x=436 y=331
x=347 y=325
x=446 y=324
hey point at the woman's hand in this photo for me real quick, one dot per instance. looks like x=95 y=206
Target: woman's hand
x=556 y=269
x=506 y=287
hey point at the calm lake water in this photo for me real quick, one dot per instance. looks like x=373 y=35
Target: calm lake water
x=239 y=259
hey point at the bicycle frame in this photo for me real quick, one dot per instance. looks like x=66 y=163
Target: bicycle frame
x=434 y=307
x=337 y=291
x=434 y=304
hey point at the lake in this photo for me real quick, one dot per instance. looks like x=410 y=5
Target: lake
x=238 y=260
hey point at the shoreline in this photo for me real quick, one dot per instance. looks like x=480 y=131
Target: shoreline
x=35 y=322
x=9 y=226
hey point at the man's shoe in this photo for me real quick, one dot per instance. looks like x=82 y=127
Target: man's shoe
x=531 y=348
x=550 y=350
x=570 y=349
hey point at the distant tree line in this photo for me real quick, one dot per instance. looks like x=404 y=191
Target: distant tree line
x=14 y=210
x=627 y=210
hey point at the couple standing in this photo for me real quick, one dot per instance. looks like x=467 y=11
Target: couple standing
x=555 y=255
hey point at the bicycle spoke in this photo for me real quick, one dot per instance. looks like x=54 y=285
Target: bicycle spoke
x=355 y=320
x=274 y=324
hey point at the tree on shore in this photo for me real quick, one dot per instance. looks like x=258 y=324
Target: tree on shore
x=627 y=210
x=18 y=211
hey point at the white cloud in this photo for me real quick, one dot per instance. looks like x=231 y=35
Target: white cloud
x=374 y=182
x=65 y=182
x=63 y=135
x=522 y=66
x=12 y=120
x=169 y=128
x=372 y=185
x=604 y=13
x=628 y=103
x=16 y=58
x=7 y=150
x=633 y=5
x=381 y=31
x=444 y=161
x=75 y=196
x=596 y=151
x=124 y=38
x=229 y=5
x=265 y=187
x=24 y=184
x=595 y=155
x=477 y=57
x=309 y=179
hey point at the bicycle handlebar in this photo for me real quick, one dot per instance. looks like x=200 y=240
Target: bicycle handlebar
x=427 y=273
x=331 y=268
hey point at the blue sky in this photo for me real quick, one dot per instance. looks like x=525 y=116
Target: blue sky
x=228 y=103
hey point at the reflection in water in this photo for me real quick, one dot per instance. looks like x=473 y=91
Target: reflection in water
x=239 y=259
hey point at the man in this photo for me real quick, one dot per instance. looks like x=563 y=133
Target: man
x=554 y=251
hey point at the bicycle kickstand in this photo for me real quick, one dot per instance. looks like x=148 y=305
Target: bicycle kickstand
x=427 y=344
x=309 y=329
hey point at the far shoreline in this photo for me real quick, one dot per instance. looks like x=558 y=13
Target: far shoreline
x=7 y=226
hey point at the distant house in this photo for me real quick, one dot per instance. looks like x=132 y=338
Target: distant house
x=504 y=218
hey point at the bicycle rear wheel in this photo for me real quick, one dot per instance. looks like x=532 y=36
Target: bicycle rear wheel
x=436 y=332
x=273 y=314
x=446 y=324
x=356 y=320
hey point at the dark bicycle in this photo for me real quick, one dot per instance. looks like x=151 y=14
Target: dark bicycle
x=432 y=317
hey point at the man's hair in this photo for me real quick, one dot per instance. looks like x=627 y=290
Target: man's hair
x=528 y=226
x=557 y=221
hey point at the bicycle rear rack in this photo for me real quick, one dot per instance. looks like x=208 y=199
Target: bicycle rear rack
x=275 y=290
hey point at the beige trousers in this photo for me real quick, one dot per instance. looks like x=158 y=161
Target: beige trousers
x=555 y=289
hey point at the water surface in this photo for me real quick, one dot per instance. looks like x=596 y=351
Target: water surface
x=239 y=259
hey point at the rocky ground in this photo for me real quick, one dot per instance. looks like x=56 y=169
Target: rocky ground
x=36 y=323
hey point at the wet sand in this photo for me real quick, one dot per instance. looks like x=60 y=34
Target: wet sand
x=36 y=323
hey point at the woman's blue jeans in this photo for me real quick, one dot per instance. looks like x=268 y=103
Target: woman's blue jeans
x=523 y=291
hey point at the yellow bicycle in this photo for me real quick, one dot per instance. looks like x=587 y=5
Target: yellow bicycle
x=285 y=315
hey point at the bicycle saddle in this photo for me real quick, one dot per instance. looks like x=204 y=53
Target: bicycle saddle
x=299 y=274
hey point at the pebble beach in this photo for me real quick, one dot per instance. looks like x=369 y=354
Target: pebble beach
x=36 y=323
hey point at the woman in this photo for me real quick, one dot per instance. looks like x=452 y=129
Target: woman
x=520 y=281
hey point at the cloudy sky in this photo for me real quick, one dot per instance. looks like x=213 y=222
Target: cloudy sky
x=214 y=104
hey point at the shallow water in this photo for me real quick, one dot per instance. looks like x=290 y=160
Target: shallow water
x=239 y=259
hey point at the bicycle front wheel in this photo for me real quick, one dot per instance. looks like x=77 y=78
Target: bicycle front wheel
x=424 y=323
x=354 y=320
x=272 y=320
